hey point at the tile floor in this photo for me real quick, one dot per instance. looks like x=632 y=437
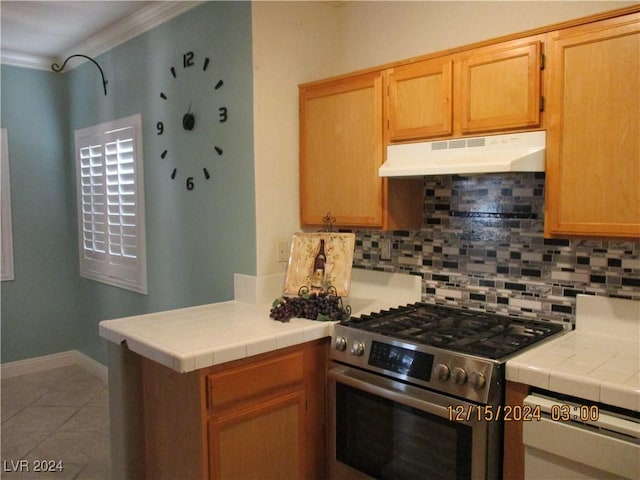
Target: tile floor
x=60 y=416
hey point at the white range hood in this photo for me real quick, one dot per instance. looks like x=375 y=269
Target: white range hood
x=512 y=152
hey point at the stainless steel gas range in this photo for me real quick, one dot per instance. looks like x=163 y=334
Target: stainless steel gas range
x=418 y=392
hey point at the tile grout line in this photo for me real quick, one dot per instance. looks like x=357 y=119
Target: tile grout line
x=48 y=387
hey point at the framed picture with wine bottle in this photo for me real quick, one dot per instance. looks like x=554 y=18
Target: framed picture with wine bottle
x=319 y=261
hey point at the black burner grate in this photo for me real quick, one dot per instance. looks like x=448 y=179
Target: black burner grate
x=465 y=331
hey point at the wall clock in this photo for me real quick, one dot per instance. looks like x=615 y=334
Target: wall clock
x=188 y=125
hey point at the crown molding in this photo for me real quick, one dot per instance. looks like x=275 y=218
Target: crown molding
x=139 y=22
x=27 y=61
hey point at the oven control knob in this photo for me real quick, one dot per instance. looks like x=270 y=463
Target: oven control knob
x=357 y=348
x=478 y=380
x=459 y=375
x=341 y=344
x=442 y=371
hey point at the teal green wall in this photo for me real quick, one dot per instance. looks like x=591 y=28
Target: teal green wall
x=40 y=307
x=196 y=240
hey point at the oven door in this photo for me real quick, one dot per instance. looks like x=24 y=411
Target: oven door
x=380 y=428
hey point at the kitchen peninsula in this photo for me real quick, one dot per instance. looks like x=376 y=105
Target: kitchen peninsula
x=187 y=385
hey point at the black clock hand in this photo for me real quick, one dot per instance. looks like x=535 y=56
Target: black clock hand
x=188 y=120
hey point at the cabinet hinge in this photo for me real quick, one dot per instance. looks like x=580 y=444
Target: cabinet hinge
x=542 y=61
x=541 y=103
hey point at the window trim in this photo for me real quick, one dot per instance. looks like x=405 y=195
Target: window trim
x=7 y=271
x=113 y=269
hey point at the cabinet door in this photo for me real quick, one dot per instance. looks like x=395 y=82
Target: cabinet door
x=341 y=151
x=262 y=441
x=593 y=158
x=420 y=100
x=500 y=88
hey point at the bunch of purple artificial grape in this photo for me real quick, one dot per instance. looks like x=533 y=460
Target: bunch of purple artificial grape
x=314 y=306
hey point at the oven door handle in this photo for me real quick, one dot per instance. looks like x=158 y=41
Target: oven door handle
x=420 y=399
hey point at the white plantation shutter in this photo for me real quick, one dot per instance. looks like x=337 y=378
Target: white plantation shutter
x=121 y=196
x=92 y=199
x=111 y=203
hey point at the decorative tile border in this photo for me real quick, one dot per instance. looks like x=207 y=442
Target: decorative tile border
x=492 y=255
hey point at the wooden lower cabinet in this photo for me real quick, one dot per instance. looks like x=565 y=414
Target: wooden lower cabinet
x=266 y=439
x=260 y=417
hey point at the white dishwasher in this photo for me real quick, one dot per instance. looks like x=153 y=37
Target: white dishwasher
x=580 y=441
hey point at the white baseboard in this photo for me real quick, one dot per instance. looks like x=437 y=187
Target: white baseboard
x=55 y=360
x=92 y=366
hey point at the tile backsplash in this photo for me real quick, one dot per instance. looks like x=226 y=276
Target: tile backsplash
x=482 y=246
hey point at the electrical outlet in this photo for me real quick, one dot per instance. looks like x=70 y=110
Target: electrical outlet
x=385 y=249
x=283 y=251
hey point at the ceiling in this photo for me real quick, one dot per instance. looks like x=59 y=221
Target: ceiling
x=37 y=32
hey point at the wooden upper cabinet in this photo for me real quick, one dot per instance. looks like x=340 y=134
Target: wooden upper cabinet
x=481 y=90
x=420 y=100
x=500 y=87
x=591 y=85
x=593 y=137
x=341 y=150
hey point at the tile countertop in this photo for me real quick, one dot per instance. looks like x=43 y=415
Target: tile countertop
x=598 y=361
x=191 y=338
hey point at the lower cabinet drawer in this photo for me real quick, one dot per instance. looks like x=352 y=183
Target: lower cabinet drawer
x=243 y=382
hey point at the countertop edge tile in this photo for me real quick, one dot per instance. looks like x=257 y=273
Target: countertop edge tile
x=512 y=374
x=316 y=332
x=110 y=335
x=535 y=376
x=230 y=352
x=576 y=385
x=291 y=338
x=620 y=395
x=262 y=345
x=203 y=359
